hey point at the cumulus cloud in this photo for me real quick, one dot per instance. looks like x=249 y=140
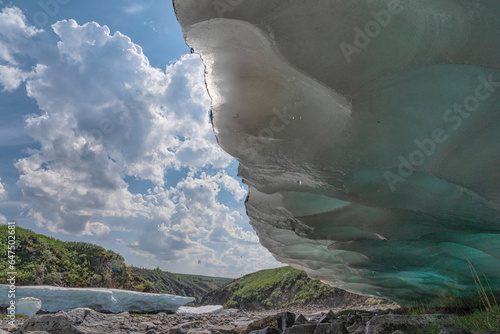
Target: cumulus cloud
x=98 y=229
x=15 y=35
x=3 y=192
x=3 y=196
x=107 y=115
x=194 y=220
x=11 y=77
x=15 y=40
x=246 y=259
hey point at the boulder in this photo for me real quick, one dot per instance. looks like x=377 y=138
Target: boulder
x=329 y=317
x=78 y=321
x=331 y=328
x=261 y=324
x=301 y=329
x=280 y=321
x=317 y=328
x=300 y=319
x=267 y=330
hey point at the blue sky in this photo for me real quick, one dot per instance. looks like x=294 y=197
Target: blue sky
x=105 y=138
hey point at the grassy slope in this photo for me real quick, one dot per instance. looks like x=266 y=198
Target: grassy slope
x=44 y=260
x=276 y=288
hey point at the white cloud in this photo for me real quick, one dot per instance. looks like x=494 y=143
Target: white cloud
x=98 y=229
x=3 y=196
x=11 y=77
x=3 y=192
x=135 y=8
x=106 y=114
x=195 y=219
x=15 y=40
x=247 y=259
x=15 y=34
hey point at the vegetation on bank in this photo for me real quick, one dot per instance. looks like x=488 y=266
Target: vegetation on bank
x=42 y=260
x=277 y=288
x=180 y=284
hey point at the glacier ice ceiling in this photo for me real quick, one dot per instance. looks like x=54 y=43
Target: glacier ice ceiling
x=368 y=132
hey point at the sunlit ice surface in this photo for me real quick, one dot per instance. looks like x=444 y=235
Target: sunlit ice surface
x=368 y=133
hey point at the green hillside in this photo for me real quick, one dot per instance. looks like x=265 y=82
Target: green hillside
x=41 y=260
x=277 y=288
x=180 y=284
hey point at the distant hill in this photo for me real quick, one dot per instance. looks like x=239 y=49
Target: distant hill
x=279 y=288
x=41 y=260
x=180 y=284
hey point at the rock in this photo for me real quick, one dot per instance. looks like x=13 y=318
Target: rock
x=300 y=319
x=446 y=328
x=267 y=330
x=261 y=324
x=28 y=306
x=398 y=332
x=79 y=321
x=301 y=329
x=353 y=328
x=58 y=323
x=7 y=326
x=285 y=320
x=361 y=330
x=354 y=319
x=388 y=323
x=334 y=328
x=184 y=328
x=243 y=321
x=329 y=317
x=314 y=328
x=366 y=317
x=223 y=330
x=280 y=321
x=146 y=325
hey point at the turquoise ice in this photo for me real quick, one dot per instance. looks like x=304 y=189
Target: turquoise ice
x=368 y=132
